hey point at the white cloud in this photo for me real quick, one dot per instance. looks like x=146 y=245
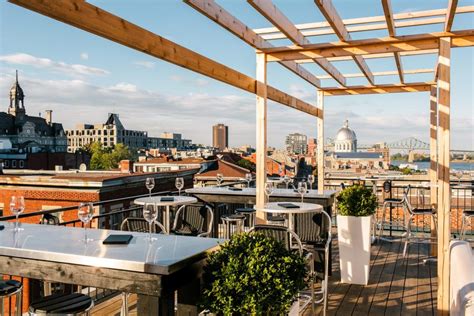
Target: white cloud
x=84 y=56
x=145 y=64
x=124 y=87
x=57 y=66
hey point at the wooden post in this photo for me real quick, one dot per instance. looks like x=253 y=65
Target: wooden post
x=261 y=131
x=320 y=153
x=444 y=193
x=433 y=173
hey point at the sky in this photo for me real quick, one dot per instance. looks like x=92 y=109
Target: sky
x=83 y=77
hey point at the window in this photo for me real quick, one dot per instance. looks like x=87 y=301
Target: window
x=6 y=163
x=22 y=164
x=13 y=163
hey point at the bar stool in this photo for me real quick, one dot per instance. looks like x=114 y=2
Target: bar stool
x=390 y=202
x=467 y=215
x=9 y=288
x=235 y=220
x=250 y=215
x=62 y=304
x=278 y=220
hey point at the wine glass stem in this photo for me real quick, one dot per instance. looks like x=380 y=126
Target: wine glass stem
x=16 y=223
x=179 y=192
x=85 y=234
x=301 y=198
x=150 y=230
x=149 y=190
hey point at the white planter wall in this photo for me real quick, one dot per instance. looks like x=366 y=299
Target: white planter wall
x=354 y=248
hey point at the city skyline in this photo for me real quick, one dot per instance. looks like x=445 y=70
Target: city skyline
x=78 y=83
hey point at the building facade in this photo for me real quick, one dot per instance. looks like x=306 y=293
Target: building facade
x=220 y=136
x=296 y=143
x=168 y=141
x=21 y=133
x=346 y=140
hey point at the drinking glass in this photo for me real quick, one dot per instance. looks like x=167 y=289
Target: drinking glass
x=150 y=214
x=17 y=206
x=459 y=176
x=287 y=180
x=302 y=187
x=179 y=183
x=85 y=213
x=310 y=181
x=219 y=178
x=248 y=178
x=150 y=184
x=269 y=189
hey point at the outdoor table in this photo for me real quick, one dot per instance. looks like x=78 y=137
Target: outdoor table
x=153 y=270
x=303 y=208
x=156 y=200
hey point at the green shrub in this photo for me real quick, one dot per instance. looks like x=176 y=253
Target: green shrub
x=252 y=275
x=356 y=200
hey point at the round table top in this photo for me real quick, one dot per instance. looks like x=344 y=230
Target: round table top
x=177 y=200
x=274 y=207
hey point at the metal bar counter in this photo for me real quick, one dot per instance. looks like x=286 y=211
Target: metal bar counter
x=152 y=270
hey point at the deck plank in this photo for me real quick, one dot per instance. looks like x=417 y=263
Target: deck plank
x=409 y=301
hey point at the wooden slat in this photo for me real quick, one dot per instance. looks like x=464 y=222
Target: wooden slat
x=398 y=62
x=216 y=13
x=433 y=172
x=320 y=147
x=277 y=18
x=384 y=73
x=379 y=89
x=405 y=43
x=444 y=193
x=406 y=18
x=333 y=18
x=261 y=129
x=387 y=10
x=92 y=19
x=450 y=13
x=374 y=56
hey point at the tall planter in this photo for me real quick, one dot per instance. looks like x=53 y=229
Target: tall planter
x=354 y=248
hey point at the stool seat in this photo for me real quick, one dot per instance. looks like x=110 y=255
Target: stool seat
x=468 y=212
x=275 y=218
x=247 y=210
x=233 y=217
x=62 y=304
x=423 y=211
x=392 y=200
x=9 y=287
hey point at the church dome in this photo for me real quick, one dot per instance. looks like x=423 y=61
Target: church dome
x=345 y=133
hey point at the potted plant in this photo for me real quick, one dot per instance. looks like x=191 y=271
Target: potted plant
x=252 y=274
x=356 y=205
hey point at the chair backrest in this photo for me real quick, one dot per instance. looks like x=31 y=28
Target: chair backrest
x=49 y=219
x=313 y=227
x=198 y=218
x=135 y=224
x=406 y=198
x=281 y=234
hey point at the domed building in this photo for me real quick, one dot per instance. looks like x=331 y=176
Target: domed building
x=346 y=140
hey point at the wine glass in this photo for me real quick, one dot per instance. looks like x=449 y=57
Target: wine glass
x=287 y=180
x=269 y=189
x=302 y=187
x=150 y=184
x=17 y=206
x=85 y=213
x=179 y=183
x=150 y=214
x=248 y=178
x=219 y=179
x=459 y=176
x=310 y=181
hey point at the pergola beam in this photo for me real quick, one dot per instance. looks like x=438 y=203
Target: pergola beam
x=387 y=9
x=404 y=43
x=94 y=20
x=373 y=56
x=379 y=89
x=406 y=19
x=219 y=15
x=450 y=13
x=333 y=18
x=277 y=18
x=384 y=73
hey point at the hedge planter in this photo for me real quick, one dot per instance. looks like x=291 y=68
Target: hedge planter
x=354 y=248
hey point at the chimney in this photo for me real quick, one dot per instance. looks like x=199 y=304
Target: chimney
x=126 y=166
x=49 y=117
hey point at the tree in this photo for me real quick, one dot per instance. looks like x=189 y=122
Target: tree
x=247 y=164
x=107 y=158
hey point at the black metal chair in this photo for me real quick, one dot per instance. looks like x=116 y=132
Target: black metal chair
x=193 y=220
x=314 y=231
x=62 y=304
x=288 y=238
x=9 y=288
x=136 y=224
x=413 y=212
x=467 y=216
x=389 y=203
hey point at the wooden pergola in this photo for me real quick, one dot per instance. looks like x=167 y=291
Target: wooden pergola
x=92 y=19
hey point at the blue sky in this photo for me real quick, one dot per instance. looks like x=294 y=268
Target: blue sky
x=82 y=77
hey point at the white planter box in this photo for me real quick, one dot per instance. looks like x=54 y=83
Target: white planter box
x=354 y=248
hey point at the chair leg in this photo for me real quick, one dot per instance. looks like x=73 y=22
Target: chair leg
x=19 y=297
x=124 y=309
x=408 y=236
x=382 y=221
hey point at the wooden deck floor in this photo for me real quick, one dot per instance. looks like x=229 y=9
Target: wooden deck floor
x=397 y=286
